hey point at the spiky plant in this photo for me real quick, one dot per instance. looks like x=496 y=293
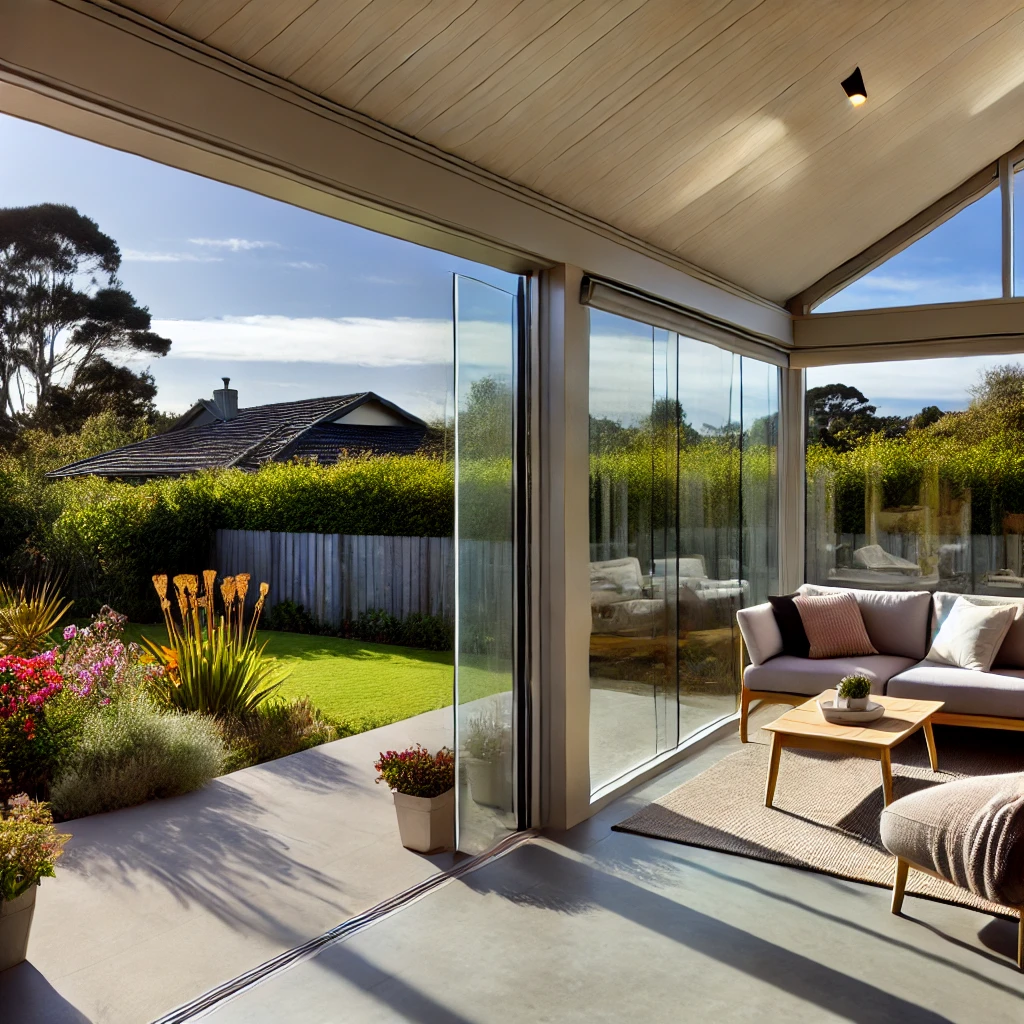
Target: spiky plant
x=212 y=664
x=28 y=616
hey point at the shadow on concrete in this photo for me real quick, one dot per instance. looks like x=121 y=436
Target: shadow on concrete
x=26 y=997
x=204 y=848
x=311 y=770
x=563 y=884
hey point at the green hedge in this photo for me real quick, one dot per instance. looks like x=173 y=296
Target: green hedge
x=992 y=468
x=106 y=539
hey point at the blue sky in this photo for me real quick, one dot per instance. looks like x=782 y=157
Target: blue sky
x=289 y=304
x=958 y=261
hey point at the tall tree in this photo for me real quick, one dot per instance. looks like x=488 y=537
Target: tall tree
x=62 y=310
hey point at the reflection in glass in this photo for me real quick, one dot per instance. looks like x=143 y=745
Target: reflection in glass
x=681 y=455
x=927 y=498
x=485 y=354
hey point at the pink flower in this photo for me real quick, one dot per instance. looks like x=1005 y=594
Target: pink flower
x=70 y=632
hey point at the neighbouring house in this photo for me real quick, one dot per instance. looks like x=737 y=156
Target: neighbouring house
x=217 y=434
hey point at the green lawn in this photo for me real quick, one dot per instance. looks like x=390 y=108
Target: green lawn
x=360 y=684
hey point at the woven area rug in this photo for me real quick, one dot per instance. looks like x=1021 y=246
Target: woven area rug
x=827 y=806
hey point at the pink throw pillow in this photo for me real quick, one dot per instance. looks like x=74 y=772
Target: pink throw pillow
x=834 y=626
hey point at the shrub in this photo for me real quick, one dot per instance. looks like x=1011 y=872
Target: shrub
x=487 y=736
x=854 y=687
x=131 y=751
x=28 y=743
x=215 y=668
x=28 y=616
x=29 y=846
x=376 y=626
x=276 y=729
x=109 y=538
x=417 y=772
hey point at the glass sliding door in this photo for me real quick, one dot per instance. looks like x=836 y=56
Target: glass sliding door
x=683 y=533
x=488 y=322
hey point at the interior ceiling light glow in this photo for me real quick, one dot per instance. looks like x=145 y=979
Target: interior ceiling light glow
x=854 y=88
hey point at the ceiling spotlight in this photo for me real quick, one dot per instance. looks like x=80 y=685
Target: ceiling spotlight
x=854 y=88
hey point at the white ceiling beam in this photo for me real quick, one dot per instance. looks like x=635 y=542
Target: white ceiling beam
x=988 y=327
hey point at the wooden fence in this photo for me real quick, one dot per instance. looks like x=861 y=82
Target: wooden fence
x=337 y=576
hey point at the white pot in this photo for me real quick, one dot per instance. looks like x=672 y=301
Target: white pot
x=857 y=703
x=15 y=925
x=490 y=782
x=426 y=824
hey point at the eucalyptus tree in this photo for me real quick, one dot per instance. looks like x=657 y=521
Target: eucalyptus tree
x=63 y=313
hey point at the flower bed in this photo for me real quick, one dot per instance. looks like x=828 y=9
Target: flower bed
x=91 y=723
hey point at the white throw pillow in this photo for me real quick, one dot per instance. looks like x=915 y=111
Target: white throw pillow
x=971 y=635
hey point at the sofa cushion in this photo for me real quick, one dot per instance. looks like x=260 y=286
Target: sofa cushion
x=834 y=626
x=1011 y=653
x=760 y=632
x=791 y=626
x=613 y=581
x=786 y=674
x=896 y=620
x=969 y=831
x=971 y=636
x=999 y=692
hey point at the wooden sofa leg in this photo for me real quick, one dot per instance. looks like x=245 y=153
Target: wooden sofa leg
x=899 y=884
x=744 y=711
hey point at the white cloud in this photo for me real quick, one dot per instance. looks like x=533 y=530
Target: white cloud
x=885 y=290
x=144 y=256
x=234 y=244
x=305 y=265
x=361 y=341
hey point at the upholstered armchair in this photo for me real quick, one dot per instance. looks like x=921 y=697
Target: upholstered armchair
x=969 y=832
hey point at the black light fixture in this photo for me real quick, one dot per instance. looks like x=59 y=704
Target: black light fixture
x=854 y=88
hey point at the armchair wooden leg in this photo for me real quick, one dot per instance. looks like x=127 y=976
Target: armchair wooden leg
x=899 y=884
x=1020 y=939
x=744 y=712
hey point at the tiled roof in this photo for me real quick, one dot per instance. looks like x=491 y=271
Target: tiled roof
x=259 y=434
x=326 y=441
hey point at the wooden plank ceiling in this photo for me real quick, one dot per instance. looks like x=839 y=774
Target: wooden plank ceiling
x=714 y=129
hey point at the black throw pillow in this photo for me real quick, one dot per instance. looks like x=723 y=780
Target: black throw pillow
x=791 y=626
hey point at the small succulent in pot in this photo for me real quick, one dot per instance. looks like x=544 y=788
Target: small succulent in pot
x=854 y=691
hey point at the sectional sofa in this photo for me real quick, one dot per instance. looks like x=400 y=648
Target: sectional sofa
x=901 y=625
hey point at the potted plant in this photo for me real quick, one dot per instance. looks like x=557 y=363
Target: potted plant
x=853 y=693
x=29 y=847
x=488 y=760
x=423 y=786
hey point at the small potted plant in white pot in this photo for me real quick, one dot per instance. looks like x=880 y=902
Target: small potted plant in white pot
x=29 y=848
x=488 y=760
x=423 y=786
x=853 y=693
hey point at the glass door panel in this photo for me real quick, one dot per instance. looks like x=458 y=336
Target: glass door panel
x=711 y=588
x=632 y=546
x=486 y=356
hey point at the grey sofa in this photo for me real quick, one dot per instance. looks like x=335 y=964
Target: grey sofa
x=901 y=625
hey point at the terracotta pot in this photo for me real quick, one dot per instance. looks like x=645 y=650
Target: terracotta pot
x=426 y=824
x=15 y=924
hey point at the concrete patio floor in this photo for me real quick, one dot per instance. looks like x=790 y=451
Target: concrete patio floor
x=155 y=904
x=594 y=925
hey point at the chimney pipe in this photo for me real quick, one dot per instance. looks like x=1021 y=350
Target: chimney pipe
x=226 y=400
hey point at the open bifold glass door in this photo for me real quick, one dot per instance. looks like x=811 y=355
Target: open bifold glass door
x=489 y=563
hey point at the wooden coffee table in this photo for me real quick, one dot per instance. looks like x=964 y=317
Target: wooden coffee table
x=803 y=728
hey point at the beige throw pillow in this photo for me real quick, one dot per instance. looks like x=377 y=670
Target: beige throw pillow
x=971 y=635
